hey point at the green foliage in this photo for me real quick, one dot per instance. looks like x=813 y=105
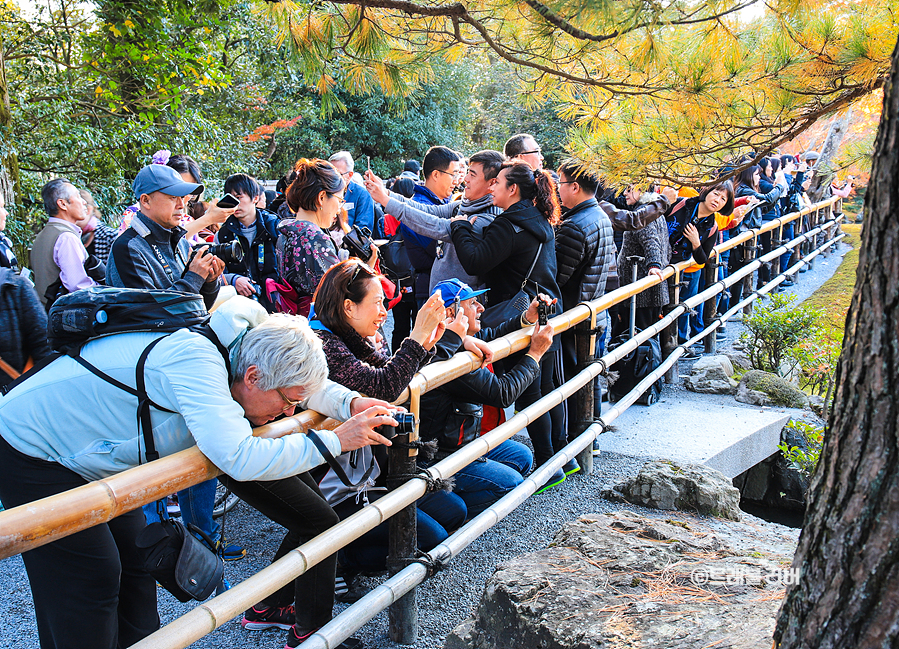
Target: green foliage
x=804 y=458
x=774 y=329
x=816 y=356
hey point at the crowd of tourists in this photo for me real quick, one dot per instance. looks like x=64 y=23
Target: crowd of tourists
x=300 y=281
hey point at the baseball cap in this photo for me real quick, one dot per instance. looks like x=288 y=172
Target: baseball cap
x=450 y=289
x=162 y=178
x=412 y=165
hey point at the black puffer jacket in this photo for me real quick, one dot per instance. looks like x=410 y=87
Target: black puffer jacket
x=630 y=220
x=504 y=252
x=23 y=321
x=452 y=413
x=585 y=248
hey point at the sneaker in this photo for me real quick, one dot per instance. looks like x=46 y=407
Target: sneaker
x=260 y=618
x=788 y=282
x=231 y=552
x=571 y=467
x=557 y=478
x=347 y=591
x=295 y=639
x=690 y=354
x=596 y=450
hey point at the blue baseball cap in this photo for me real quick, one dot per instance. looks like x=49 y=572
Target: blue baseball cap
x=162 y=178
x=450 y=289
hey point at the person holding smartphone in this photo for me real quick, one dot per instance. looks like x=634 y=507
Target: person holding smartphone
x=257 y=231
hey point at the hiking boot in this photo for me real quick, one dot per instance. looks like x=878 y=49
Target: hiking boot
x=556 y=479
x=295 y=639
x=260 y=618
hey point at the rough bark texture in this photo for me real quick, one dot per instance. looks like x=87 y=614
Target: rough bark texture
x=825 y=166
x=848 y=555
x=9 y=165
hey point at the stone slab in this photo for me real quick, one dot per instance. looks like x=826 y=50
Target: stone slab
x=726 y=438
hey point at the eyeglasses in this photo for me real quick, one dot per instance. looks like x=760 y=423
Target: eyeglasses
x=567 y=182
x=448 y=173
x=290 y=403
x=537 y=151
x=340 y=199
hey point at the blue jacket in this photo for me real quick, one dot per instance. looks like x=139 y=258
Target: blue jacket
x=360 y=208
x=67 y=415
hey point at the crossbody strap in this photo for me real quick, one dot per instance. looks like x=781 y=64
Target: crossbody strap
x=531 y=269
x=144 y=402
x=335 y=466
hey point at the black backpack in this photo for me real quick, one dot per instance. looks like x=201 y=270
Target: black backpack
x=396 y=266
x=98 y=311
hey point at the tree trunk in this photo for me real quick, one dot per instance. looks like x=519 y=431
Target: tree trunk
x=848 y=555
x=824 y=167
x=9 y=165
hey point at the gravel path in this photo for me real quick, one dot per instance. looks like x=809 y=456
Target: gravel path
x=444 y=601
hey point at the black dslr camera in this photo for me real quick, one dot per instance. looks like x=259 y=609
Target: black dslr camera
x=358 y=242
x=405 y=425
x=227 y=252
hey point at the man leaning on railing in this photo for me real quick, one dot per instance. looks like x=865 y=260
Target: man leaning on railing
x=63 y=427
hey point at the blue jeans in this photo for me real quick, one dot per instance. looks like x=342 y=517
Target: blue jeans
x=196 y=504
x=439 y=513
x=690 y=322
x=482 y=483
x=789 y=233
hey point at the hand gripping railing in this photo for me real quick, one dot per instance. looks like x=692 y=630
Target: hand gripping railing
x=45 y=520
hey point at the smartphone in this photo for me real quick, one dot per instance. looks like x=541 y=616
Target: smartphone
x=228 y=201
x=368 y=162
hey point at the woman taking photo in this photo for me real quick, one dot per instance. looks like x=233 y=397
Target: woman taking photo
x=305 y=250
x=349 y=310
x=518 y=248
x=692 y=232
x=748 y=184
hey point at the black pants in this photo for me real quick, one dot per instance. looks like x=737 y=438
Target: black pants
x=549 y=432
x=297 y=504
x=89 y=589
x=738 y=259
x=644 y=318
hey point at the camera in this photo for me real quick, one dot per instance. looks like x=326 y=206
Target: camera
x=405 y=425
x=227 y=252
x=358 y=242
x=544 y=310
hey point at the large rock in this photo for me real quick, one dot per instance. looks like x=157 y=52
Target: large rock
x=662 y=484
x=711 y=375
x=763 y=388
x=610 y=581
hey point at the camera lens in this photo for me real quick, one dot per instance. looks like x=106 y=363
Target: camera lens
x=405 y=425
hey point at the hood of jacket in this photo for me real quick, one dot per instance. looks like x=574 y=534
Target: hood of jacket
x=6 y=276
x=526 y=216
x=232 y=319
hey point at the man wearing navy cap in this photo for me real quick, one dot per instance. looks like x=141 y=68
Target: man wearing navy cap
x=152 y=253
x=453 y=413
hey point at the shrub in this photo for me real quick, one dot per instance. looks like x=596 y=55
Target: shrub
x=803 y=456
x=816 y=357
x=774 y=329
